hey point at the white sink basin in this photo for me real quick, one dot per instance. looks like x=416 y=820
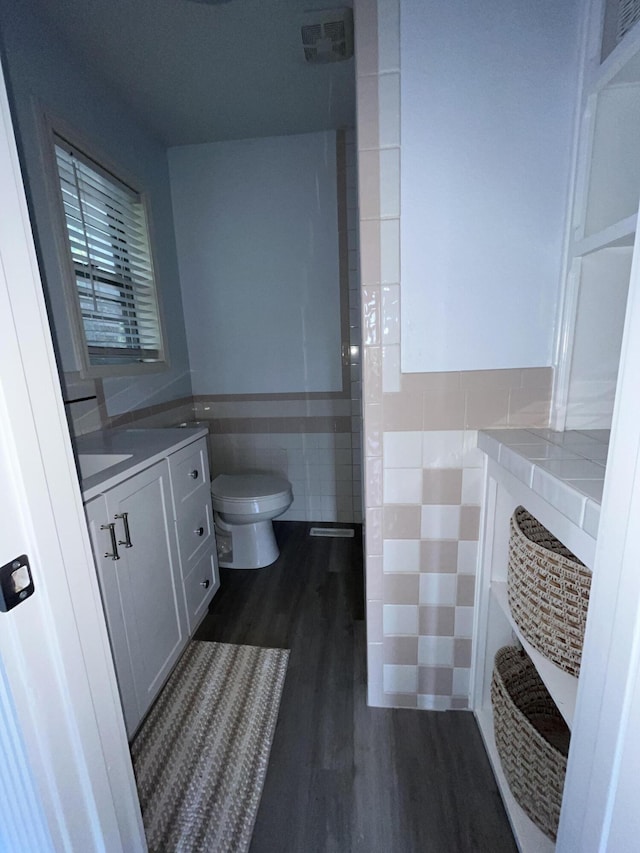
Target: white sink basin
x=93 y=463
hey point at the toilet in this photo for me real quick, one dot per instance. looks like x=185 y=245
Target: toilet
x=244 y=506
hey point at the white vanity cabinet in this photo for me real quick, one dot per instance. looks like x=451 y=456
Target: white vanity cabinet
x=155 y=554
x=141 y=590
x=191 y=495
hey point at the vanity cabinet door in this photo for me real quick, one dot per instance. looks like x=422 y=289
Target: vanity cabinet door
x=98 y=520
x=142 y=589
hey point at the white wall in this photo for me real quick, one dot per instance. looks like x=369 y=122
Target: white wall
x=488 y=93
x=257 y=238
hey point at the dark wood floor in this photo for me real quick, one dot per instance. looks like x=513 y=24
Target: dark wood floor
x=344 y=777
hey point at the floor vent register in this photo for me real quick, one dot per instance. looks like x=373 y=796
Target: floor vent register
x=333 y=532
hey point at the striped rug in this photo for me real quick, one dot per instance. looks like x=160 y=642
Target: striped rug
x=201 y=755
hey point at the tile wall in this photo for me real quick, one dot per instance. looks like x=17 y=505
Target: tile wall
x=423 y=471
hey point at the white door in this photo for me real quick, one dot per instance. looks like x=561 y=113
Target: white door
x=66 y=781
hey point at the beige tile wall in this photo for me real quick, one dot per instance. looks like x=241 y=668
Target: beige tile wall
x=423 y=472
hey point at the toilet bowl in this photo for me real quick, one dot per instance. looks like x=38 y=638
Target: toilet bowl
x=244 y=506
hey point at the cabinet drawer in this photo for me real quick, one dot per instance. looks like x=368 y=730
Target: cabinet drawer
x=200 y=586
x=194 y=526
x=189 y=470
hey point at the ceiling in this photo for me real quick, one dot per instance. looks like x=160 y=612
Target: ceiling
x=196 y=72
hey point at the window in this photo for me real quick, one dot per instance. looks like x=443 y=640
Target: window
x=108 y=241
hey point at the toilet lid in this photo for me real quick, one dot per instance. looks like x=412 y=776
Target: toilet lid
x=249 y=486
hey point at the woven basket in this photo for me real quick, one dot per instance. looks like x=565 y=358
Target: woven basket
x=548 y=590
x=531 y=737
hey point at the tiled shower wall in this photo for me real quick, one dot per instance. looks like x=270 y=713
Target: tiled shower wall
x=314 y=440
x=423 y=472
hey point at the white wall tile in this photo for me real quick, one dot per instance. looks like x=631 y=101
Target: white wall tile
x=437 y=588
x=464 y=622
x=390 y=182
x=467 y=557
x=442 y=448
x=389 y=110
x=399 y=678
x=434 y=703
x=401 y=555
x=592 y=518
x=388 y=35
x=435 y=651
x=390 y=314
x=400 y=619
x=558 y=493
x=402 y=449
x=390 y=251
x=391 y=379
x=403 y=485
x=461 y=681
x=440 y=522
x=472 y=485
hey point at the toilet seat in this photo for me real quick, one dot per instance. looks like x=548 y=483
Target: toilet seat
x=249 y=493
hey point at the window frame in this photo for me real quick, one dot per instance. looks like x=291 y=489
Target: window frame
x=51 y=129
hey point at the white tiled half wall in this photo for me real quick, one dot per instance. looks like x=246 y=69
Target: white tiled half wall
x=423 y=478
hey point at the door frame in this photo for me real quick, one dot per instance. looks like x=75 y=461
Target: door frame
x=71 y=763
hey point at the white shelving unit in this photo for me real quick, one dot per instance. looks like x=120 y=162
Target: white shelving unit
x=599 y=810
x=602 y=229
x=495 y=626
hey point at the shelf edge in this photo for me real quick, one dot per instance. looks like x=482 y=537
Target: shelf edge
x=609 y=238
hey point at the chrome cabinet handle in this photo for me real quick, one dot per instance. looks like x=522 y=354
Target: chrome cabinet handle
x=114 y=545
x=205 y=583
x=199 y=531
x=127 y=535
x=194 y=474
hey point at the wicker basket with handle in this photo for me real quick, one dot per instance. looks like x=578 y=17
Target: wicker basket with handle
x=531 y=737
x=548 y=590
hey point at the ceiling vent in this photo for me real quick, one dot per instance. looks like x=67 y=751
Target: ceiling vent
x=327 y=35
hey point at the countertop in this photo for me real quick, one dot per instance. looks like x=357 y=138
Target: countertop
x=565 y=468
x=145 y=446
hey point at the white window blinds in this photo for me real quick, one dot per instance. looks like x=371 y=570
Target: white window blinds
x=109 y=244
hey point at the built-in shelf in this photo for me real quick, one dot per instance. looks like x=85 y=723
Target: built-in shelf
x=620 y=234
x=547 y=472
x=622 y=66
x=561 y=686
x=565 y=469
x=528 y=837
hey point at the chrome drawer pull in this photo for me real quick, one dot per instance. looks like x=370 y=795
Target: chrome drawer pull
x=127 y=535
x=205 y=583
x=194 y=474
x=114 y=545
x=199 y=531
